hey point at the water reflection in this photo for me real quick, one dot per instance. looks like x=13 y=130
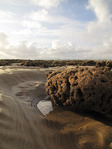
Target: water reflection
x=45 y=107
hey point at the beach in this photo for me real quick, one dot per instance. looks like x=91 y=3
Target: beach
x=26 y=122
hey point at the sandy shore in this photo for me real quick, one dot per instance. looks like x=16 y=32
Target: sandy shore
x=23 y=126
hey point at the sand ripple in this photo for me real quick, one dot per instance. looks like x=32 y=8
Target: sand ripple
x=23 y=126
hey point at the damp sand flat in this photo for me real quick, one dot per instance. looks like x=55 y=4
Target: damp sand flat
x=22 y=125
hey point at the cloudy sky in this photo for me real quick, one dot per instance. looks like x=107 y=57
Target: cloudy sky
x=56 y=29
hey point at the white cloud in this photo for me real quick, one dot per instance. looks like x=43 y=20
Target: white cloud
x=21 y=50
x=44 y=16
x=47 y=3
x=42 y=23
x=100 y=30
x=32 y=24
x=67 y=50
x=15 y=2
x=57 y=37
x=101 y=9
x=7 y=17
x=41 y=15
x=58 y=50
x=3 y=40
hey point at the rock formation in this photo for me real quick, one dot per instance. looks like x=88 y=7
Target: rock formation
x=81 y=88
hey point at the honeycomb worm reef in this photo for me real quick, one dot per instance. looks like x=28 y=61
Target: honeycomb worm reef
x=82 y=88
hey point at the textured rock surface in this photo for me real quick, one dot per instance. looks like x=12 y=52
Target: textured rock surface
x=89 y=89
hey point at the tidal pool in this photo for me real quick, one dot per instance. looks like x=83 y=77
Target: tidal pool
x=45 y=107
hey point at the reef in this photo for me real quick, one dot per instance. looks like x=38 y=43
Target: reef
x=81 y=89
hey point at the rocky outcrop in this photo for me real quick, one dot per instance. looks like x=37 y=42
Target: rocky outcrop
x=89 y=63
x=85 y=89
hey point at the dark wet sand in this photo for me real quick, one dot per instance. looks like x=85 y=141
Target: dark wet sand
x=23 y=126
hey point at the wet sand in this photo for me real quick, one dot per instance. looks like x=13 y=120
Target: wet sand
x=24 y=124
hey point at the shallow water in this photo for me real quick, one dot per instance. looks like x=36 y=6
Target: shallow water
x=45 y=107
x=28 y=120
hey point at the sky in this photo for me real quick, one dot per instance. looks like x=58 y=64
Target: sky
x=56 y=29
